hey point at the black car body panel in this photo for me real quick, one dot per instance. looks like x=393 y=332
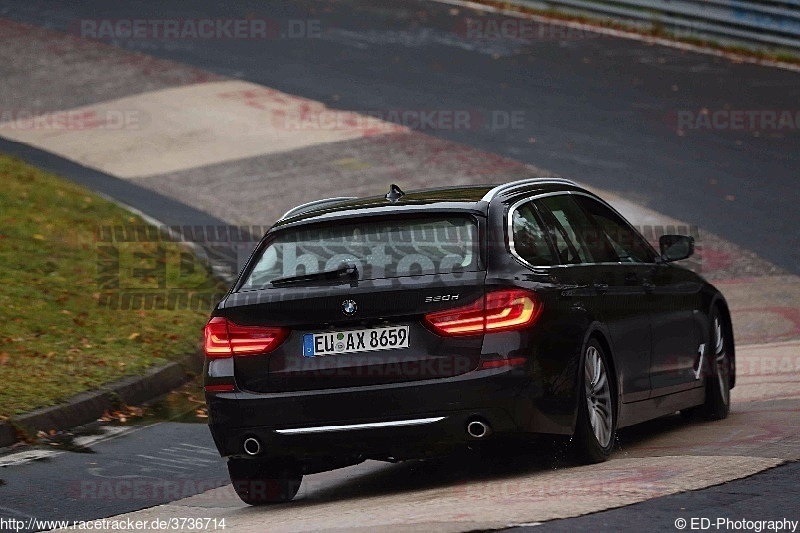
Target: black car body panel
x=310 y=310
x=651 y=316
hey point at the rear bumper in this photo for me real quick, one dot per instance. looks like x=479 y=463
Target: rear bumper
x=400 y=421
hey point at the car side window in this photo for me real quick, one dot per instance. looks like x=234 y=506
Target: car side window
x=628 y=245
x=529 y=239
x=570 y=225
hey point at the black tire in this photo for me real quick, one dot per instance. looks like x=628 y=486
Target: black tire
x=718 y=391
x=596 y=424
x=259 y=481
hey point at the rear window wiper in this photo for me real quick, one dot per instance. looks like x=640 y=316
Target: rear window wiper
x=345 y=270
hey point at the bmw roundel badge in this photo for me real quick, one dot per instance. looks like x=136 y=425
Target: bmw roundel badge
x=349 y=307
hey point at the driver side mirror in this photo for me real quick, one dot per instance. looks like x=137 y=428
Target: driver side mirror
x=675 y=247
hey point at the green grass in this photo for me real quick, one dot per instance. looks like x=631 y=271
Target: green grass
x=56 y=339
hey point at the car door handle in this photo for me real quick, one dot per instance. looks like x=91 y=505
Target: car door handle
x=649 y=286
x=600 y=287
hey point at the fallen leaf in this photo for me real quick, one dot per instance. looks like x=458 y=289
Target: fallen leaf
x=133 y=336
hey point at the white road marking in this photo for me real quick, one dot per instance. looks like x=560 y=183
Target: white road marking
x=108 y=432
x=26 y=456
x=201 y=449
x=157 y=459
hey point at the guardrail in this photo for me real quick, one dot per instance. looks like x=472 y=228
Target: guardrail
x=773 y=24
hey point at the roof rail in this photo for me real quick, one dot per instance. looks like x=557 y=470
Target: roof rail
x=308 y=206
x=505 y=187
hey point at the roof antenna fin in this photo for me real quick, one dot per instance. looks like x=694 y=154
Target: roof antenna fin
x=395 y=193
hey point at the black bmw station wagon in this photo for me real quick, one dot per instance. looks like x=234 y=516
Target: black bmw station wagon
x=405 y=325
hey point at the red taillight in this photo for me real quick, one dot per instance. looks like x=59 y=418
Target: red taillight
x=216 y=338
x=466 y=320
x=220 y=387
x=251 y=340
x=502 y=310
x=223 y=338
x=500 y=363
x=513 y=309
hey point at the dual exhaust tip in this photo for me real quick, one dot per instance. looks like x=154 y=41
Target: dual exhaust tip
x=252 y=446
x=477 y=429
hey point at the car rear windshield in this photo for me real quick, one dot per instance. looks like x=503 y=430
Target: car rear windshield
x=377 y=248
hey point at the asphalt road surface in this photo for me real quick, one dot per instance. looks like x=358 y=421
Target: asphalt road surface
x=144 y=467
x=152 y=465
x=602 y=110
x=766 y=496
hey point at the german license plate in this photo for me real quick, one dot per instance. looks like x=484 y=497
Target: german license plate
x=354 y=341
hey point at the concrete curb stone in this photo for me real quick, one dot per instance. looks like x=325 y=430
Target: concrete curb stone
x=89 y=406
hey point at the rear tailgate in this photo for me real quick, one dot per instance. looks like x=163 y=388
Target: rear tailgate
x=369 y=329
